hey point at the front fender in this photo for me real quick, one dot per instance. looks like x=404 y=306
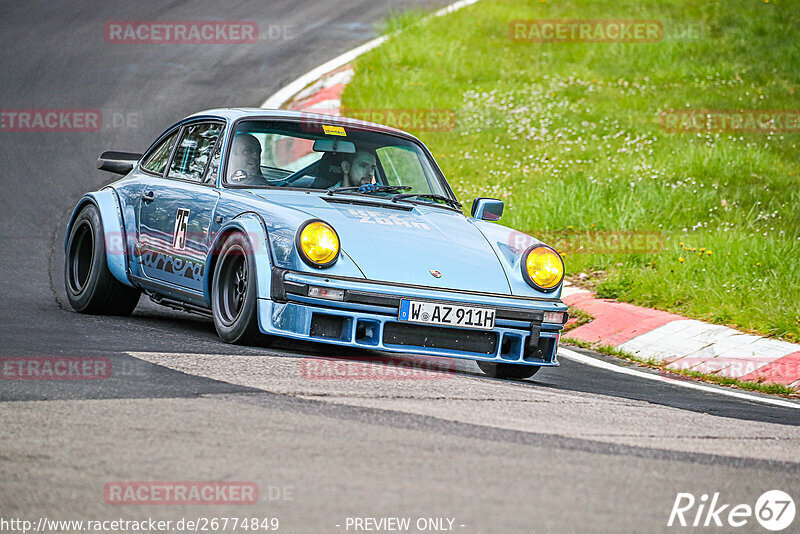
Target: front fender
x=113 y=234
x=509 y=245
x=252 y=227
x=282 y=232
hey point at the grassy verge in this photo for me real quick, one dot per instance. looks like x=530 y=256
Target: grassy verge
x=763 y=387
x=568 y=135
x=576 y=318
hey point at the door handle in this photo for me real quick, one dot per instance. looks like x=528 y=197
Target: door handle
x=149 y=196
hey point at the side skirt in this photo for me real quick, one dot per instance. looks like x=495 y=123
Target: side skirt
x=171 y=295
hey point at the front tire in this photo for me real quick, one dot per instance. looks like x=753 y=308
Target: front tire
x=508 y=370
x=91 y=288
x=233 y=292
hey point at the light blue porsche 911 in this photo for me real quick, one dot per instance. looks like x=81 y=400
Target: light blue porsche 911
x=317 y=228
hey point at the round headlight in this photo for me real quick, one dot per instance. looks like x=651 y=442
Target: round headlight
x=318 y=244
x=543 y=268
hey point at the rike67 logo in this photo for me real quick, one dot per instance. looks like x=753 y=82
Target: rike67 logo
x=774 y=510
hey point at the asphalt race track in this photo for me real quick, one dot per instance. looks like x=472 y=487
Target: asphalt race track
x=575 y=448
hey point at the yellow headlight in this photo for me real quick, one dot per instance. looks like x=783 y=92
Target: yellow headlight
x=544 y=267
x=319 y=243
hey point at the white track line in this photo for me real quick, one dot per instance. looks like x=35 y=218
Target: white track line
x=594 y=362
x=288 y=91
x=285 y=93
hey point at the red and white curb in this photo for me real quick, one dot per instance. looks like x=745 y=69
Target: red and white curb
x=325 y=95
x=683 y=343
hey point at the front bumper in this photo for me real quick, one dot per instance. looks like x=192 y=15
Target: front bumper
x=367 y=318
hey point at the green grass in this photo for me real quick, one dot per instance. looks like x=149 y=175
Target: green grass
x=568 y=136
x=763 y=387
x=577 y=318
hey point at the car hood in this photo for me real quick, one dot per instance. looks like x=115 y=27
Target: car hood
x=405 y=243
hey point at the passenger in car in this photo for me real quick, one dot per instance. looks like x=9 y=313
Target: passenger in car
x=244 y=167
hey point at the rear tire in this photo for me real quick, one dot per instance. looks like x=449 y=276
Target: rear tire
x=233 y=293
x=508 y=370
x=91 y=288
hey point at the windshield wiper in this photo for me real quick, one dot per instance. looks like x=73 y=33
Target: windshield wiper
x=368 y=189
x=449 y=201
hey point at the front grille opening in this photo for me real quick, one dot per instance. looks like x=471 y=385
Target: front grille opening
x=434 y=337
x=511 y=347
x=330 y=326
x=543 y=352
x=367 y=332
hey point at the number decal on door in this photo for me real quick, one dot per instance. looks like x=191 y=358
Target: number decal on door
x=181 y=223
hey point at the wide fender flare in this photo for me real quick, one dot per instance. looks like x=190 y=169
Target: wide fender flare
x=253 y=228
x=108 y=205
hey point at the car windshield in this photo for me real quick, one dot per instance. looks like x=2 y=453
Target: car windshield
x=311 y=155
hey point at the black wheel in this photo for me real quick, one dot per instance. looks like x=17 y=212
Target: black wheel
x=508 y=370
x=91 y=288
x=233 y=292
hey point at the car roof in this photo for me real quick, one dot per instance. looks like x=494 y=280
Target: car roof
x=233 y=114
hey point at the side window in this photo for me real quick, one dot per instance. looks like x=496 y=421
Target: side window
x=193 y=151
x=157 y=161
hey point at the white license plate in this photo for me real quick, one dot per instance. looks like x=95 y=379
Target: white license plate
x=415 y=311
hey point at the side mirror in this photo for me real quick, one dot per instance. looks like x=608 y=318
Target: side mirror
x=487 y=209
